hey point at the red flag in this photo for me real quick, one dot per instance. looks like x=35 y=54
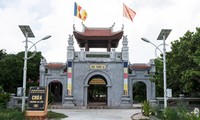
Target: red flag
x=128 y=12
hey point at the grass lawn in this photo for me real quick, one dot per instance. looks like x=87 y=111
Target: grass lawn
x=52 y=114
x=16 y=114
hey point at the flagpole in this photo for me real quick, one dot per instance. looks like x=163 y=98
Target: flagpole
x=123 y=12
x=73 y=14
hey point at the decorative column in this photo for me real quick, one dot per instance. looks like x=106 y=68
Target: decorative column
x=126 y=101
x=125 y=78
x=125 y=57
x=70 y=57
x=69 y=78
x=152 y=71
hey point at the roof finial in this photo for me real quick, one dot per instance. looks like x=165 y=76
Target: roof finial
x=83 y=24
x=113 y=25
x=73 y=26
x=122 y=26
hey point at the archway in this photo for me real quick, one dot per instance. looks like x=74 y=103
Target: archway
x=139 y=91
x=97 y=91
x=55 y=91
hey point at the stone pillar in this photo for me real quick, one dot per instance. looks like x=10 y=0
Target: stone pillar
x=42 y=72
x=69 y=94
x=70 y=48
x=148 y=90
x=85 y=95
x=125 y=99
x=125 y=65
x=68 y=100
x=113 y=54
x=82 y=55
x=125 y=52
x=125 y=58
x=153 y=68
x=109 y=100
x=86 y=46
x=153 y=91
x=70 y=58
x=152 y=72
x=109 y=46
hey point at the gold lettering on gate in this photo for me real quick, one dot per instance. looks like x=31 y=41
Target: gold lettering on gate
x=97 y=66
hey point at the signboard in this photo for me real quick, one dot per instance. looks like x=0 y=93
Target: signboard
x=20 y=91
x=97 y=66
x=169 y=92
x=36 y=98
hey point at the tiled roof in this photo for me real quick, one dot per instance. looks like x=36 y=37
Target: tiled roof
x=139 y=66
x=98 y=37
x=55 y=65
x=97 y=32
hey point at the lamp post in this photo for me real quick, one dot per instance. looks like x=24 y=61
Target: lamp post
x=162 y=36
x=26 y=30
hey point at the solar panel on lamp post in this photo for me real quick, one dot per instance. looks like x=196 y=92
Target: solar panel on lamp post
x=162 y=36
x=26 y=30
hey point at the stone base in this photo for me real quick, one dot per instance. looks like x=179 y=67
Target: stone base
x=126 y=102
x=153 y=103
x=68 y=102
x=139 y=116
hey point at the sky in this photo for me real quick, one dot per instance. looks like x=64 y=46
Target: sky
x=55 y=18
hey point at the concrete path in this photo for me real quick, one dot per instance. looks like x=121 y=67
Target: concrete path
x=98 y=114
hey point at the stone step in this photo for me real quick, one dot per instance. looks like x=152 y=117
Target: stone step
x=97 y=107
x=90 y=106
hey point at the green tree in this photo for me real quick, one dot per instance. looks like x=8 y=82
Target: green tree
x=2 y=53
x=183 y=66
x=11 y=70
x=158 y=78
x=8 y=72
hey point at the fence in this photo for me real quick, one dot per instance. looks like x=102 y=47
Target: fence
x=189 y=102
x=15 y=101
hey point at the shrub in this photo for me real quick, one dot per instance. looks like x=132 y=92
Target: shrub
x=4 y=98
x=50 y=97
x=54 y=115
x=171 y=114
x=11 y=114
x=146 y=109
x=1 y=89
x=178 y=113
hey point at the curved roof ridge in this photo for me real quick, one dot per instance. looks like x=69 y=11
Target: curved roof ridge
x=98 y=28
x=55 y=65
x=140 y=66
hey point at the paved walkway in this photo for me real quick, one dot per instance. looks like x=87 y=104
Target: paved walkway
x=98 y=114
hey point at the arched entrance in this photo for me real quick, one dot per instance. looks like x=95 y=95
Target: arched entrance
x=97 y=91
x=139 y=91
x=55 y=91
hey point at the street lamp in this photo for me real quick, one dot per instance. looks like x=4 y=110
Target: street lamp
x=162 y=36
x=26 y=30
